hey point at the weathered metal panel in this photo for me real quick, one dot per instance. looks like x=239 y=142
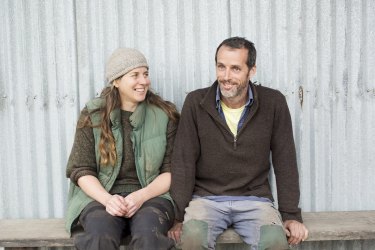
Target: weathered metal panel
x=319 y=54
x=38 y=92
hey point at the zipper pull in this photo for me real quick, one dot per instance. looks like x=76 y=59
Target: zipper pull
x=235 y=143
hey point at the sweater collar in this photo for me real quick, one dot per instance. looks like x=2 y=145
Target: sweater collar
x=209 y=104
x=136 y=119
x=138 y=116
x=212 y=94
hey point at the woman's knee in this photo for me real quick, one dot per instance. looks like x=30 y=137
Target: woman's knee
x=149 y=230
x=96 y=222
x=153 y=217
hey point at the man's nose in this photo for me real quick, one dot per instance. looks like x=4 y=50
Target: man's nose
x=226 y=74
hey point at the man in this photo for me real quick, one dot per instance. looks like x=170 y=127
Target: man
x=221 y=160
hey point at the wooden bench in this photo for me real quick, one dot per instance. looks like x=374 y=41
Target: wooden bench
x=323 y=226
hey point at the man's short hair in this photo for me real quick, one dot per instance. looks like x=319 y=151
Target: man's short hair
x=240 y=43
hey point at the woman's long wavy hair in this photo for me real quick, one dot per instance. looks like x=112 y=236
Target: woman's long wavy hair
x=112 y=98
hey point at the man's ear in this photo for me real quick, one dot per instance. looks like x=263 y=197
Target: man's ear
x=252 y=72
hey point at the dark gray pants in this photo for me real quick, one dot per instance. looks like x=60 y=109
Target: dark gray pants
x=148 y=227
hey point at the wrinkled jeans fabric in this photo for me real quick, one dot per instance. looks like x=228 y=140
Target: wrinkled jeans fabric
x=257 y=222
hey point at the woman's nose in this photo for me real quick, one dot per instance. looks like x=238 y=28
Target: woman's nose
x=144 y=80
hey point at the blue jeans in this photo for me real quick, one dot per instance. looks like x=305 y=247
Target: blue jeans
x=258 y=223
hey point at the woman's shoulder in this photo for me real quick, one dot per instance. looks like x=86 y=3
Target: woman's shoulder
x=95 y=103
x=155 y=109
x=91 y=111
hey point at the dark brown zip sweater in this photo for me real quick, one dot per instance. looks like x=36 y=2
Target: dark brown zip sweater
x=208 y=160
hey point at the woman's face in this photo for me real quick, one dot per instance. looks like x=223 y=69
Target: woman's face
x=133 y=88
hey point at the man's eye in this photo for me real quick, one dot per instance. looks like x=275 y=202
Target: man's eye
x=236 y=69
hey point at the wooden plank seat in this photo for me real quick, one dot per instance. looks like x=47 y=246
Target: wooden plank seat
x=323 y=226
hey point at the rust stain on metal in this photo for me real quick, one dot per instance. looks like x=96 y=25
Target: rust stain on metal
x=300 y=95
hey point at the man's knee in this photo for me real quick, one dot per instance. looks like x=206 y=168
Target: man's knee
x=194 y=235
x=272 y=237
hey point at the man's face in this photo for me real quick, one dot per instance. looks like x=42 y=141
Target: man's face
x=233 y=73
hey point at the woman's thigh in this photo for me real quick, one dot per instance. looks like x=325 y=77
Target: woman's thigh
x=95 y=219
x=150 y=224
x=155 y=213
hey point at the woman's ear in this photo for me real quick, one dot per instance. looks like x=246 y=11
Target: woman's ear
x=115 y=83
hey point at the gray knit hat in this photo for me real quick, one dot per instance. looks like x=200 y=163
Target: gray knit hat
x=122 y=61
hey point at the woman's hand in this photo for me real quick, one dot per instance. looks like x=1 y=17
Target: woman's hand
x=158 y=186
x=133 y=202
x=116 y=206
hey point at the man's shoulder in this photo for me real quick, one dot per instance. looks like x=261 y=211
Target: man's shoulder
x=267 y=90
x=268 y=93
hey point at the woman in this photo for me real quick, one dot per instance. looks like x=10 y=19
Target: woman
x=119 y=165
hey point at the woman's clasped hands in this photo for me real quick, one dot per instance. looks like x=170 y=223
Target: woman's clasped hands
x=118 y=205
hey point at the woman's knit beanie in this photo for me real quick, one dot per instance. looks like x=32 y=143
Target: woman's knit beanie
x=122 y=61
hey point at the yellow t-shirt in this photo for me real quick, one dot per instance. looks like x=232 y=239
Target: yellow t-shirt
x=232 y=117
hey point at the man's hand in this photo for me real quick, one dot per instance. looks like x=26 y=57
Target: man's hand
x=295 y=231
x=176 y=231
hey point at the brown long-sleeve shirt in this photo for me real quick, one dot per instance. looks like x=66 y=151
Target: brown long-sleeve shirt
x=208 y=160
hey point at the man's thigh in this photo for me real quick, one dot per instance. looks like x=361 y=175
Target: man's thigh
x=259 y=224
x=204 y=221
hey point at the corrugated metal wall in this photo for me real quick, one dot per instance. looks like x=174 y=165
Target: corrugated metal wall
x=320 y=54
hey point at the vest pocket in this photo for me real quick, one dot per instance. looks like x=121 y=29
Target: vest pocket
x=153 y=155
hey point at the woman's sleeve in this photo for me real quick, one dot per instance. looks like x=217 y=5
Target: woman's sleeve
x=82 y=160
x=171 y=134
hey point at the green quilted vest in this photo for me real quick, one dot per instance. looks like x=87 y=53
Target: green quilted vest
x=149 y=143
